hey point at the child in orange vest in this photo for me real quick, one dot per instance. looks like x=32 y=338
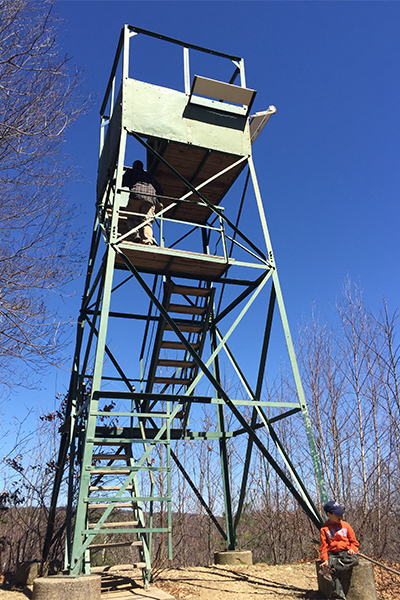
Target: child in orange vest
x=338 y=548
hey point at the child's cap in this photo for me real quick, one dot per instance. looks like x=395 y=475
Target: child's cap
x=334 y=508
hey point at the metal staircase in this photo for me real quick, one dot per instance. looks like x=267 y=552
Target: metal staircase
x=115 y=516
x=111 y=513
x=194 y=302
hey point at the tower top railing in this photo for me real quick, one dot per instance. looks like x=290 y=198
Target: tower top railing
x=128 y=31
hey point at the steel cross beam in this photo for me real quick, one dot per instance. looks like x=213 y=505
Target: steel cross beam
x=197 y=193
x=267 y=424
x=67 y=429
x=289 y=341
x=315 y=517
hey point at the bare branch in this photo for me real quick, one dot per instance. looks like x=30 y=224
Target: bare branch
x=39 y=99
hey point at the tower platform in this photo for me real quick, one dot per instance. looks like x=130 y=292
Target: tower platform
x=178 y=263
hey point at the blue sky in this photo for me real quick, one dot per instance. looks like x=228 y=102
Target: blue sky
x=327 y=162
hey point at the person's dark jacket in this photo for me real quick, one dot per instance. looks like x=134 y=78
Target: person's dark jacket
x=132 y=176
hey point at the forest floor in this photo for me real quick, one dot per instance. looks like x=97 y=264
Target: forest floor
x=260 y=581
x=257 y=582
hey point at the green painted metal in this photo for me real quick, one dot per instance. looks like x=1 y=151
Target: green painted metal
x=307 y=507
x=254 y=415
x=141 y=101
x=121 y=427
x=199 y=496
x=300 y=392
x=230 y=537
x=289 y=343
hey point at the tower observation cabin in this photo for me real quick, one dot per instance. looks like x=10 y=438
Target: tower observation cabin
x=180 y=307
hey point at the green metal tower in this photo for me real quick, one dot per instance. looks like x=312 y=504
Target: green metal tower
x=156 y=320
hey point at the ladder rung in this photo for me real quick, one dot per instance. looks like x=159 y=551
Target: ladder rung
x=125 y=501
x=187 y=327
x=115 y=504
x=114 y=545
x=187 y=309
x=110 y=457
x=186 y=290
x=172 y=380
x=136 y=414
x=125 y=471
x=124 y=524
x=177 y=345
x=115 y=441
x=108 y=488
x=137 y=439
x=164 y=362
x=122 y=471
x=111 y=441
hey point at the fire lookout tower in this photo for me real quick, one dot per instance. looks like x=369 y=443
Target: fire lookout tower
x=158 y=320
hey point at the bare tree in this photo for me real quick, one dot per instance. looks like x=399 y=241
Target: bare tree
x=39 y=99
x=27 y=478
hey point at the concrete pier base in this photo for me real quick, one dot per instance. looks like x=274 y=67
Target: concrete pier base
x=233 y=557
x=84 y=587
x=358 y=583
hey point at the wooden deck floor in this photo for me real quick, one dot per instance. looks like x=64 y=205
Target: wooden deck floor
x=169 y=261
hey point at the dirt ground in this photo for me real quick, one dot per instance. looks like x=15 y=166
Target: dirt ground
x=260 y=582
x=257 y=582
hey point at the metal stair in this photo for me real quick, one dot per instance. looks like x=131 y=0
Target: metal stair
x=190 y=307
x=115 y=464
x=114 y=502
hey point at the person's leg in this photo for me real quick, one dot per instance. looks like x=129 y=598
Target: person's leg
x=133 y=221
x=337 y=589
x=347 y=561
x=341 y=562
x=146 y=231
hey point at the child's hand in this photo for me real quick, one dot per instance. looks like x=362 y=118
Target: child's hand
x=351 y=551
x=324 y=564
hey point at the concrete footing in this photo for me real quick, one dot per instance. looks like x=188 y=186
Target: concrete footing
x=233 y=557
x=84 y=587
x=358 y=583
